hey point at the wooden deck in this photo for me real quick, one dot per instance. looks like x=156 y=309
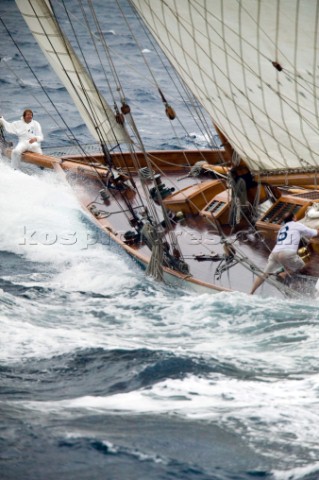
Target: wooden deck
x=198 y=236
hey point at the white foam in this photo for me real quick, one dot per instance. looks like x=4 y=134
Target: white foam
x=298 y=473
x=42 y=220
x=280 y=348
x=33 y=207
x=47 y=206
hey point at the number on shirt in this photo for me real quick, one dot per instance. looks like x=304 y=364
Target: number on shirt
x=283 y=233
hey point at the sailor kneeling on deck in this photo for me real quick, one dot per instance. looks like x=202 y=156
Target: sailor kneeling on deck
x=29 y=133
x=284 y=254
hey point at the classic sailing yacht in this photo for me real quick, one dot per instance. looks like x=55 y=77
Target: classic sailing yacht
x=203 y=218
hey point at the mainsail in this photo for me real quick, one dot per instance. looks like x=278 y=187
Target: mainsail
x=253 y=65
x=96 y=113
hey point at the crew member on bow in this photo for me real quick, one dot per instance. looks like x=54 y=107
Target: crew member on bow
x=29 y=133
x=285 y=252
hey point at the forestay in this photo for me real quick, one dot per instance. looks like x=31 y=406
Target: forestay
x=96 y=113
x=253 y=65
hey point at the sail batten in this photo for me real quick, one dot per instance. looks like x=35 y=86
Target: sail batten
x=253 y=66
x=96 y=113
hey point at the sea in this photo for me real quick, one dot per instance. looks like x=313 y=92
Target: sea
x=105 y=373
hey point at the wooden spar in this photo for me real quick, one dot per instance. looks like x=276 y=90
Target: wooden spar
x=288 y=179
x=308 y=180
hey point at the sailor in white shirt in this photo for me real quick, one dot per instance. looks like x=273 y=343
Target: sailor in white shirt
x=285 y=252
x=29 y=133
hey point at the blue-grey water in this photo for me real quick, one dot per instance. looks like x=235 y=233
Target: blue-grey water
x=107 y=374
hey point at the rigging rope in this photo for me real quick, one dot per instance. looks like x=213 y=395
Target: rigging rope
x=201 y=121
x=155 y=266
x=38 y=81
x=90 y=105
x=157 y=253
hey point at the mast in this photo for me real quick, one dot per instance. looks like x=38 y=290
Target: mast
x=229 y=151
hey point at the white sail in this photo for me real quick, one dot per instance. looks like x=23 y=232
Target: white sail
x=96 y=113
x=254 y=67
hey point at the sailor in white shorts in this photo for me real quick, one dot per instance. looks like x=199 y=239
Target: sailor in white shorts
x=284 y=254
x=29 y=133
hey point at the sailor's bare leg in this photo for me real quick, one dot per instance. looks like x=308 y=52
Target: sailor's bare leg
x=259 y=281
